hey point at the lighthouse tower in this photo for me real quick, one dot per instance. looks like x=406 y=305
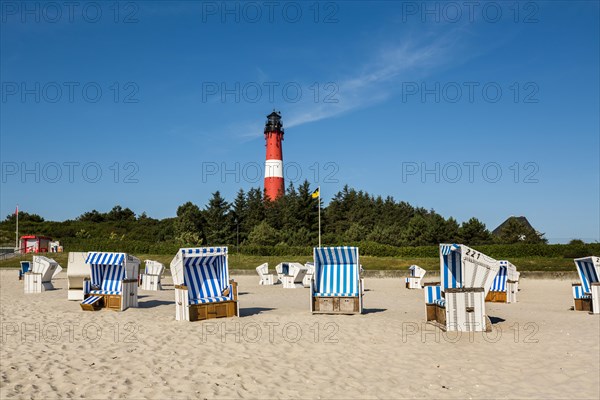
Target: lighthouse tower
x=274 y=186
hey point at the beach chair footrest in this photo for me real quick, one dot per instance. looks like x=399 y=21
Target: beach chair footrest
x=92 y=303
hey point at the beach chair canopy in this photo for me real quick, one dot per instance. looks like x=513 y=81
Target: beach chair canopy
x=463 y=267
x=107 y=272
x=45 y=266
x=416 y=271
x=588 y=269
x=263 y=269
x=204 y=271
x=506 y=272
x=153 y=267
x=310 y=267
x=336 y=271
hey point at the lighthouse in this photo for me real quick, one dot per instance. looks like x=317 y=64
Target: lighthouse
x=274 y=186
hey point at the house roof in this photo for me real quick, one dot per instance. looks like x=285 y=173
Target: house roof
x=521 y=219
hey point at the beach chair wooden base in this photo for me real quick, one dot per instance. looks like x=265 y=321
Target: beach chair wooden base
x=336 y=305
x=151 y=282
x=583 y=305
x=268 y=280
x=496 y=297
x=33 y=283
x=225 y=309
x=75 y=294
x=512 y=288
x=413 y=283
x=93 y=305
x=595 y=298
x=288 y=282
x=198 y=312
x=463 y=311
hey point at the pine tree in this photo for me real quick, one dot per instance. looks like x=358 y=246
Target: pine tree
x=218 y=226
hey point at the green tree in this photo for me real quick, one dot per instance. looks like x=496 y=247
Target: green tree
x=474 y=232
x=188 y=224
x=514 y=231
x=218 y=222
x=263 y=235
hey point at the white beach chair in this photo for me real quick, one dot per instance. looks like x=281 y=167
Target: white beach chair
x=416 y=276
x=77 y=271
x=505 y=285
x=113 y=283
x=336 y=287
x=151 y=278
x=291 y=274
x=39 y=278
x=310 y=272
x=266 y=278
x=202 y=286
x=458 y=303
x=586 y=294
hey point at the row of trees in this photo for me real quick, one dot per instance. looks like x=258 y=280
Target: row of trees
x=351 y=216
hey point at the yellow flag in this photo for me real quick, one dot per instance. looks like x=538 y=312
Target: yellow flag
x=315 y=194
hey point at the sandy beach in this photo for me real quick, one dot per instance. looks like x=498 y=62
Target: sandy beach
x=277 y=349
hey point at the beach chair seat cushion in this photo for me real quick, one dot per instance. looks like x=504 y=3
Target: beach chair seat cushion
x=105 y=292
x=440 y=302
x=336 y=294
x=209 y=300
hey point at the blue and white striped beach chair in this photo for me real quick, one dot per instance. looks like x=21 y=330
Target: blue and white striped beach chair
x=114 y=281
x=151 y=278
x=586 y=294
x=416 y=276
x=336 y=286
x=458 y=302
x=504 y=287
x=202 y=286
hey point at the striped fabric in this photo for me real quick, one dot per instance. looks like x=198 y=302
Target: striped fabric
x=91 y=300
x=209 y=300
x=87 y=286
x=499 y=284
x=99 y=263
x=206 y=274
x=440 y=302
x=432 y=293
x=451 y=268
x=588 y=273
x=446 y=249
x=579 y=294
x=336 y=271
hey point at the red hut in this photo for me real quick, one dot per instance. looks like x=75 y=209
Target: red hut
x=35 y=244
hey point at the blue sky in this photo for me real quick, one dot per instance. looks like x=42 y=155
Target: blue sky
x=373 y=95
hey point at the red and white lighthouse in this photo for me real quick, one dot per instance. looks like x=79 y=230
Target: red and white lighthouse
x=274 y=185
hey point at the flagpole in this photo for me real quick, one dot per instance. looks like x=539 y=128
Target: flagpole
x=319 y=215
x=17 y=232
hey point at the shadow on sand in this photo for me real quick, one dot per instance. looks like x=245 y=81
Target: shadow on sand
x=246 y=312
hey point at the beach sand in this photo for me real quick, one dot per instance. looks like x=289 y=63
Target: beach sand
x=277 y=349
